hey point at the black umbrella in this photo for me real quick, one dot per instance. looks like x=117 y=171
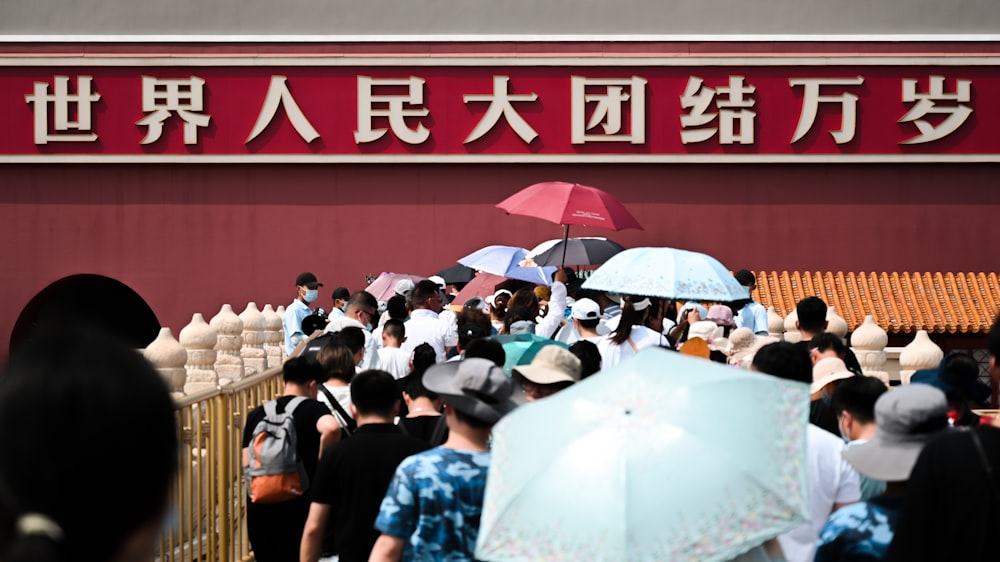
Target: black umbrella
x=575 y=251
x=457 y=274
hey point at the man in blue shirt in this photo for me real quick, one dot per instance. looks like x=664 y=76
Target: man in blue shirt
x=751 y=314
x=307 y=290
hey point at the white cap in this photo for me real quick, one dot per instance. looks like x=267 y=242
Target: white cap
x=586 y=309
x=404 y=286
x=438 y=280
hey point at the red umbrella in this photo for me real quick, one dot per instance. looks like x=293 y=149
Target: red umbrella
x=570 y=203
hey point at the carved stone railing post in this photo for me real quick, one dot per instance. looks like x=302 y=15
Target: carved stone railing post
x=775 y=324
x=168 y=356
x=199 y=339
x=228 y=362
x=792 y=333
x=835 y=324
x=869 y=341
x=281 y=314
x=254 y=357
x=921 y=353
x=273 y=338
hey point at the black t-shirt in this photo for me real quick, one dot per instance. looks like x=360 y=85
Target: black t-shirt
x=423 y=427
x=352 y=478
x=306 y=415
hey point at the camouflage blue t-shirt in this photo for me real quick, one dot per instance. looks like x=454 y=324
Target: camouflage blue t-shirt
x=435 y=501
x=859 y=532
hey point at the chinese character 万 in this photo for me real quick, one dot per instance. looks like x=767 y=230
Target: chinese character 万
x=811 y=99
x=278 y=94
x=608 y=112
x=500 y=105
x=396 y=108
x=698 y=98
x=925 y=104
x=62 y=104
x=163 y=96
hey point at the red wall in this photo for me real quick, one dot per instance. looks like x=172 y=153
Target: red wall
x=189 y=238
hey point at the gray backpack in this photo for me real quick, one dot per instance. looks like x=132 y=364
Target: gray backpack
x=275 y=473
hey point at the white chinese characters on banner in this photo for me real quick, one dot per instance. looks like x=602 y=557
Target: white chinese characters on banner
x=735 y=121
x=501 y=104
x=926 y=105
x=278 y=94
x=161 y=96
x=396 y=107
x=62 y=103
x=607 y=114
x=811 y=99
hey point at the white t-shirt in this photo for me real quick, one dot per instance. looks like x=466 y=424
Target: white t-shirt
x=831 y=480
x=394 y=361
x=613 y=354
x=424 y=326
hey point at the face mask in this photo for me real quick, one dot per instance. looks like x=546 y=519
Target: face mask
x=843 y=433
x=343 y=307
x=311 y=295
x=368 y=326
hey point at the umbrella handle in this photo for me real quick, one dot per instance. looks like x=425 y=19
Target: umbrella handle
x=565 y=243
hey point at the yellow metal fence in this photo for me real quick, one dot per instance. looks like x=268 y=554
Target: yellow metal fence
x=207 y=523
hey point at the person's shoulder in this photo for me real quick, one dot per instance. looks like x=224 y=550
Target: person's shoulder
x=822 y=441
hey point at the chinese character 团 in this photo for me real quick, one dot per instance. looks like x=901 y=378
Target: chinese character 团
x=163 y=96
x=500 y=105
x=62 y=102
x=278 y=94
x=608 y=112
x=811 y=99
x=698 y=98
x=957 y=114
x=395 y=109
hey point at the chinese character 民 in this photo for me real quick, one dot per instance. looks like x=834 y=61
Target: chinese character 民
x=698 y=98
x=608 y=112
x=278 y=94
x=163 y=96
x=926 y=104
x=811 y=99
x=500 y=105
x=62 y=104
x=397 y=107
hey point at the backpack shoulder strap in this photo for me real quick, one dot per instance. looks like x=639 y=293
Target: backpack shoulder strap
x=294 y=403
x=438 y=436
x=349 y=424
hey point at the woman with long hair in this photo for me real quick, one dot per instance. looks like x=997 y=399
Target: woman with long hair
x=630 y=335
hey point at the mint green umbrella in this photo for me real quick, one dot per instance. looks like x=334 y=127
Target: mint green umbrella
x=520 y=349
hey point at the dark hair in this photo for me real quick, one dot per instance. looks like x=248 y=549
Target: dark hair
x=524 y=297
x=423 y=290
x=857 y=395
x=394 y=328
x=745 y=277
x=474 y=422
x=785 y=361
x=993 y=339
x=363 y=300
x=811 y=312
x=486 y=348
x=516 y=314
x=589 y=355
x=629 y=317
x=499 y=307
x=396 y=307
x=416 y=389
x=827 y=341
x=55 y=385
x=374 y=392
x=353 y=337
x=423 y=357
x=302 y=370
x=336 y=360
x=474 y=317
x=469 y=332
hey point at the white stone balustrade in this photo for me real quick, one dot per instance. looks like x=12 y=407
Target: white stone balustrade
x=254 y=356
x=229 y=362
x=274 y=336
x=199 y=339
x=835 y=324
x=169 y=357
x=921 y=353
x=868 y=343
x=775 y=324
x=792 y=333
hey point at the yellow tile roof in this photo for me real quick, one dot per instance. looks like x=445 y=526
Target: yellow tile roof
x=951 y=303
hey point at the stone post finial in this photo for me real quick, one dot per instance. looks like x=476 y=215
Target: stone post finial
x=792 y=333
x=775 y=324
x=254 y=357
x=921 y=353
x=835 y=324
x=869 y=341
x=228 y=362
x=199 y=339
x=168 y=356
x=273 y=336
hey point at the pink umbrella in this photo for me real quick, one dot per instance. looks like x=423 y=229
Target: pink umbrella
x=384 y=286
x=570 y=203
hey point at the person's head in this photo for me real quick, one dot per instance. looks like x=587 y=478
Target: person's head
x=634 y=311
x=363 y=307
x=340 y=297
x=827 y=345
x=486 y=348
x=427 y=295
x=906 y=419
x=374 y=394
x=811 y=312
x=721 y=314
x=552 y=369
x=336 y=360
x=423 y=357
x=746 y=278
x=854 y=403
x=403 y=288
x=586 y=313
x=396 y=307
x=415 y=388
x=54 y=479
x=518 y=319
x=476 y=390
x=783 y=360
x=827 y=374
x=302 y=371
x=393 y=333
x=307 y=287
x=524 y=297
x=354 y=338
x=469 y=332
x=498 y=306
x=475 y=316
x=589 y=355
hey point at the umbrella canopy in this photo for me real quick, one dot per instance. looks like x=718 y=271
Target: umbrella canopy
x=567 y=203
x=383 y=287
x=590 y=250
x=505 y=260
x=522 y=348
x=485 y=284
x=668 y=273
x=457 y=274
x=635 y=463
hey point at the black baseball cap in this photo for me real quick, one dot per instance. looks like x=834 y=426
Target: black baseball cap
x=341 y=293
x=308 y=279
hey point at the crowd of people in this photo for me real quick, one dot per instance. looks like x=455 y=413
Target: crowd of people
x=395 y=403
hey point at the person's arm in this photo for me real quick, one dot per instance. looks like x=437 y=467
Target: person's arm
x=557 y=306
x=329 y=431
x=387 y=549
x=312 y=535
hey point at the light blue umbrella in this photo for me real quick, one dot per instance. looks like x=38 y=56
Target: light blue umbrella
x=505 y=260
x=668 y=273
x=664 y=457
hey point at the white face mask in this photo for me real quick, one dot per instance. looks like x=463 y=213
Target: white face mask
x=311 y=295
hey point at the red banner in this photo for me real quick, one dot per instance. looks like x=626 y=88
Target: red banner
x=637 y=113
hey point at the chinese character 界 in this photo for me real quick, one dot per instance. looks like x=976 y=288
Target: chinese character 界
x=163 y=96
x=278 y=94
x=811 y=99
x=61 y=101
x=395 y=108
x=698 y=98
x=608 y=112
x=957 y=114
x=500 y=105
